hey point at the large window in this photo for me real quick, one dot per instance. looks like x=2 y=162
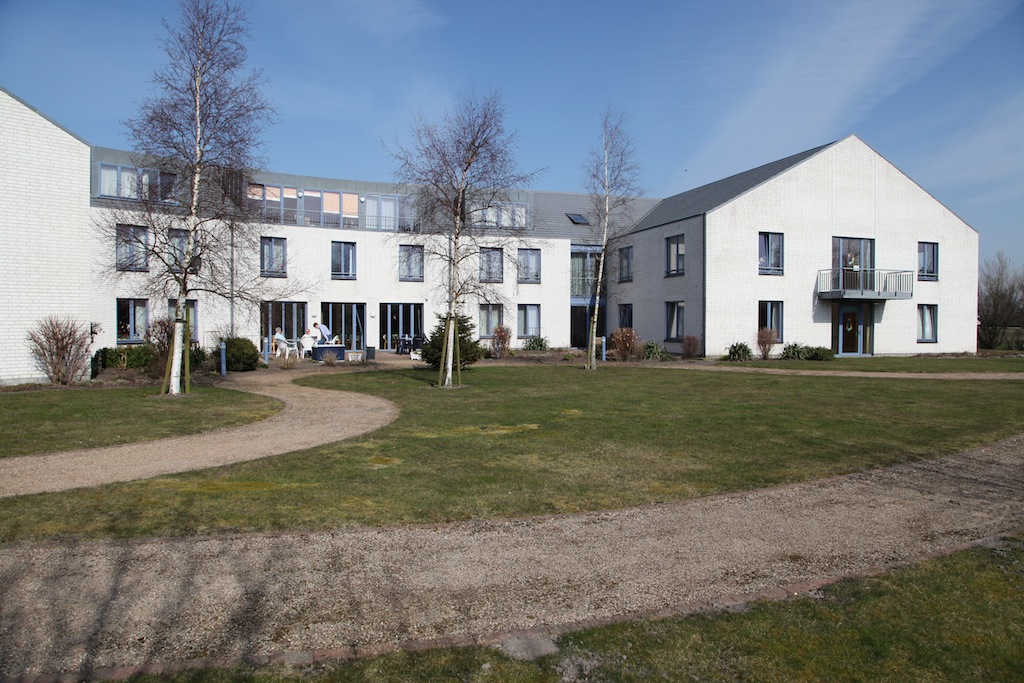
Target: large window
x=769 y=253
x=273 y=261
x=129 y=182
x=675 y=252
x=132 y=243
x=410 y=262
x=343 y=261
x=347 y=321
x=509 y=215
x=674 y=320
x=529 y=265
x=626 y=264
x=388 y=212
x=491 y=264
x=769 y=314
x=927 y=261
x=490 y=318
x=529 y=321
x=583 y=274
x=927 y=317
x=132 y=320
x=328 y=208
x=192 y=308
x=625 y=315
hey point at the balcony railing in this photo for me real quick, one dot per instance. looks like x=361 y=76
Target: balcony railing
x=865 y=283
x=583 y=286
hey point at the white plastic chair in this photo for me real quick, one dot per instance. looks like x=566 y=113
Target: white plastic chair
x=288 y=347
x=307 y=346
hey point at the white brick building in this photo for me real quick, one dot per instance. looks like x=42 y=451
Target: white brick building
x=344 y=252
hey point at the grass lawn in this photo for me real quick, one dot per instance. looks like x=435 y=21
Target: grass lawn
x=958 y=618
x=34 y=422
x=537 y=440
x=922 y=364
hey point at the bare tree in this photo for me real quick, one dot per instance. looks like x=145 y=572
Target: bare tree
x=61 y=348
x=1000 y=300
x=196 y=142
x=612 y=178
x=460 y=174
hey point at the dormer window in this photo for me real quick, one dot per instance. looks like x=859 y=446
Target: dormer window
x=577 y=218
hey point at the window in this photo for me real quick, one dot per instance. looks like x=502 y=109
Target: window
x=769 y=253
x=577 y=219
x=674 y=320
x=529 y=320
x=508 y=215
x=626 y=264
x=583 y=273
x=129 y=182
x=675 y=251
x=529 y=265
x=927 y=261
x=490 y=318
x=343 y=260
x=132 y=241
x=625 y=315
x=193 y=319
x=272 y=257
x=410 y=262
x=927 y=316
x=490 y=264
x=177 y=242
x=132 y=320
x=769 y=314
x=388 y=212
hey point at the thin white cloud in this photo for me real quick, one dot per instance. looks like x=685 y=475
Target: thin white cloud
x=390 y=20
x=831 y=64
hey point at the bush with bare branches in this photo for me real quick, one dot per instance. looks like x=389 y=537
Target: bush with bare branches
x=61 y=348
x=766 y=339
x=501 y=339
x=627 y=344
x=690 y=346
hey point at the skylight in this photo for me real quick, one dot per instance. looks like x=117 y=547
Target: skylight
x=577 y=219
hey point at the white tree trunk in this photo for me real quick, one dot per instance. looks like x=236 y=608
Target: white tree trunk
x=176 y=350
x=449 y=356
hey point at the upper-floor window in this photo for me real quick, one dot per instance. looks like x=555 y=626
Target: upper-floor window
x=273 y=260
x=853 y=253
x=927 y=261
x=490 y=318
x=491 y=264
x=583 y=273
x=177 y=245
x=769 y=253
x=674 y=330
x=132 y=320
x=388 y=212
x=769 y=314
x=927 y=315
x=343 y=260
x=675 y=253
x=509 y=215
x=528 y=321
x=626 y=264
x=410 y=262
x=529 y=265
x=132 y=248
x=301 y=206
x=191 y=310
x=129 y=182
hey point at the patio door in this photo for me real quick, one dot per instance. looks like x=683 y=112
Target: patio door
x=290 y=316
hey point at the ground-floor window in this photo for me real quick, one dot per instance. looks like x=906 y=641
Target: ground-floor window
x=347 y=321
x=674 y=320
x=927 y=316
x=290 y=316
x=490 y=318
x=193 y=318
x=398 y=321
x=769 y=314
x=625 y=315
x=529 y=320
x=132 y=320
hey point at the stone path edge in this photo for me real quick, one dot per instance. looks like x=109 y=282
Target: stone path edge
x=301 y=658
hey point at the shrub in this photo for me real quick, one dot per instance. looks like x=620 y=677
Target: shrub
x=652 y=350
x=61 y=348
x=795 y=352
x=330 y=358
x=241 y=354
x=127 y=356
x=691 y=346
x=740 y=352
x=766 y=339
x=627 y=344
x=500 y=341
x=469 y=350
x=535 y=344
x=820 y=353
x=289 y=362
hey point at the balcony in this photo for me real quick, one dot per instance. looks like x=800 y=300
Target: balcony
x=866 y=284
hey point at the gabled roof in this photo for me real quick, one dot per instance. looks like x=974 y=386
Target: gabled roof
x=703 y=199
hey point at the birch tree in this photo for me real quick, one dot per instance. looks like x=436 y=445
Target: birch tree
x=459 y=172
x=186 y=222
x=612 y=179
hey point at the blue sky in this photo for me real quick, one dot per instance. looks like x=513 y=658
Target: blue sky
x=709 y=88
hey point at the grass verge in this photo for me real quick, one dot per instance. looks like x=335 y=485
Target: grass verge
x=917 y=364
x=958 y=618
x=33 y=422
x=539 y=440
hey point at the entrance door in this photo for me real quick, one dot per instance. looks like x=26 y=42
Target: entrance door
x=849 y=331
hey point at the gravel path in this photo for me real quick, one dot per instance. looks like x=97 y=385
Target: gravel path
x=81 y=606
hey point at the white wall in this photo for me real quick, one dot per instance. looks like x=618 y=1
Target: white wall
x=44 y=221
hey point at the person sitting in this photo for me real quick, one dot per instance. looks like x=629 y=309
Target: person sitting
x=281 y=343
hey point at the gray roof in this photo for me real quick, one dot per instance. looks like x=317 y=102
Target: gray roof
x=703 y=199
